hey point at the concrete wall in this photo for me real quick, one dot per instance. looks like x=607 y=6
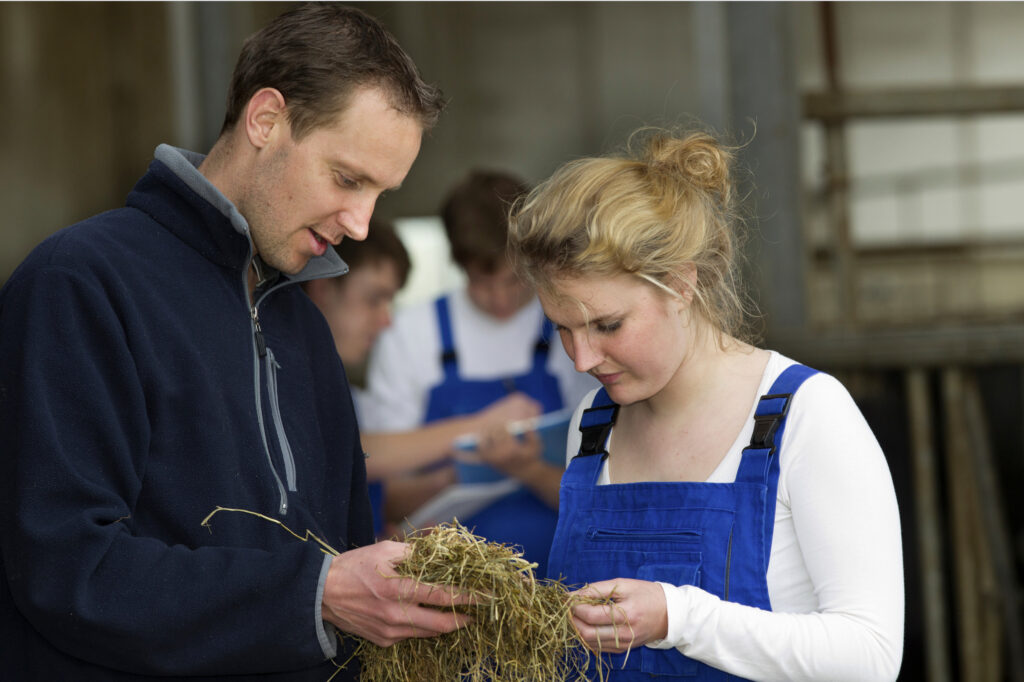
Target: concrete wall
x=85 y=94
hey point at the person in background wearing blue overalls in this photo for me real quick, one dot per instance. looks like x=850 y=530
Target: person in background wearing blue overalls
x=358 y=307
x=476 y=346
x=731 y=506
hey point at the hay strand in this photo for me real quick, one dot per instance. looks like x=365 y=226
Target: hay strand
x=309 y=535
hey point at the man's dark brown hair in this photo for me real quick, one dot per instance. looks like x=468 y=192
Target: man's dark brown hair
x=318 y=55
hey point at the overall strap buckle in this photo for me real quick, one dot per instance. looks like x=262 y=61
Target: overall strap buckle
x=771 y=410
x=595 y=425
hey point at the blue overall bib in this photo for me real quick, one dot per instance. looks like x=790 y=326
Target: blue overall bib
x=717 y=536
x=519 y=518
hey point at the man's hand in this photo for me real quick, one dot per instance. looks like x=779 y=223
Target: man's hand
x=636 y=615
x=364 y=596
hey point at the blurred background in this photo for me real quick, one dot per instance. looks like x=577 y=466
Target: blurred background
x=884 y=144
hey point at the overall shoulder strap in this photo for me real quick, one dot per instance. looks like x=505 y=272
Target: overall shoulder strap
x=760 y=462
x=444 y=324
x=542 y=345
x=596 y=424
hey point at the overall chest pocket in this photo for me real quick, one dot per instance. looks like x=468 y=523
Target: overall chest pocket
x=617 y=552
x=633 y=536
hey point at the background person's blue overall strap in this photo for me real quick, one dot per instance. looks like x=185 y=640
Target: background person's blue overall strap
x=716 y=536
x=456 y=396
x=376 y=490
x=519 y=518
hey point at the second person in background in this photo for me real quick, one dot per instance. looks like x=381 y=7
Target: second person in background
x=405 y=469
x=357 y=307
x=473 y=347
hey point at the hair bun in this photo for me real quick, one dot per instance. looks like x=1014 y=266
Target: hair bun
x=697 y=159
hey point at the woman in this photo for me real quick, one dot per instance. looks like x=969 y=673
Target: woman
x=731 y=506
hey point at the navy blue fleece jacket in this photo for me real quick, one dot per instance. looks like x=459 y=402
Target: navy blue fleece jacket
x=134 y=399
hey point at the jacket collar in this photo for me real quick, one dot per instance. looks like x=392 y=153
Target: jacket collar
x=219 y=221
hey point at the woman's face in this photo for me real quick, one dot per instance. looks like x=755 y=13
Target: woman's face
x=624 y=331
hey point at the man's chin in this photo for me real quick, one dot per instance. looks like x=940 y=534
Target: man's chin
x=294 y=266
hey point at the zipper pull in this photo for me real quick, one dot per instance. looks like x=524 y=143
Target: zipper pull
x=261 y=345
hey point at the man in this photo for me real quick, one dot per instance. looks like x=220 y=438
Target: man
x=472 y=348
x=159 y=361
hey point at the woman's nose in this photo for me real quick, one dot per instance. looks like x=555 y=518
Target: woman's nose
x=585 y=357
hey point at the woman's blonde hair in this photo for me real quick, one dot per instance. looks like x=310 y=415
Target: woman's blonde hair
x=660 y=210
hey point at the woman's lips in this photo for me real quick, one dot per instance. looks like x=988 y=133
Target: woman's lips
x=608 y=378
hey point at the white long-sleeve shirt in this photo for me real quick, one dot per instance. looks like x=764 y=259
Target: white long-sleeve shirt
x=835 y=574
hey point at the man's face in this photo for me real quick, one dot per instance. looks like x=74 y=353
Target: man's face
x=305 y=195
x=357 y=307
x=500 y=293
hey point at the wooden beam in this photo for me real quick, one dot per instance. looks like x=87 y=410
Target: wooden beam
x=1005 y=597
x=925 y=463
x=889 y=348
x=968 y=547
x=903 y=102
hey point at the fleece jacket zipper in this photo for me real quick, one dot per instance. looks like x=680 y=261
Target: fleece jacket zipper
x=261 y=354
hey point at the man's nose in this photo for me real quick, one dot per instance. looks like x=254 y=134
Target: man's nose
x=355 y=217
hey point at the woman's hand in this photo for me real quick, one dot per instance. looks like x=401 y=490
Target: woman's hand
x=637 y=614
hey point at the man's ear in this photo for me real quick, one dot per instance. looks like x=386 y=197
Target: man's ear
x=265 y=115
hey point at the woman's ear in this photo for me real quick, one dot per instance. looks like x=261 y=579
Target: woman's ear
x=684 y=282
x=265 y=117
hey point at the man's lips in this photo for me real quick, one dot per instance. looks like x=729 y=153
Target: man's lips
x=319 y=243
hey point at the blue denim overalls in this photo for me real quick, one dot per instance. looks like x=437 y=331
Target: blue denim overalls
x=717 y=536
x=519 y=518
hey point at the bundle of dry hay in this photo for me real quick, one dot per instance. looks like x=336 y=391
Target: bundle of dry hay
x=521 y=631
x=522 y=627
